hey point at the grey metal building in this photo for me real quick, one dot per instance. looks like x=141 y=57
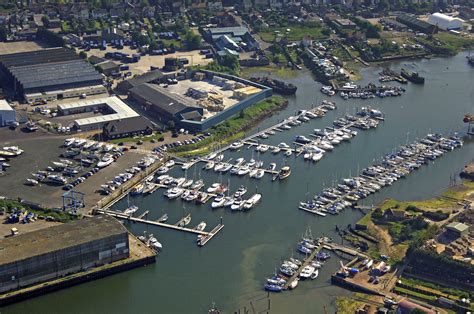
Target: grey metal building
x=61 y=250
x=50 y=74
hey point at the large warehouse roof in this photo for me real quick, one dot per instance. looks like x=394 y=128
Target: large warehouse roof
x=121 y=110
x=58 y=237
x=54 y=74
x=444 y=21
x=160 y=97
x=37 y=57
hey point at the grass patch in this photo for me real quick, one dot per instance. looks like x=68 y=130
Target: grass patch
x=449 y=198
x=429 y=287
x=58 y=215
x=458 y=42
x=414 y=294
x=345 y=305
x=364 y=221
x=282 y=71
x=296 y=33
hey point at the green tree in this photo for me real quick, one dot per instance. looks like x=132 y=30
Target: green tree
x=3 y=33
x=45 y=20
x=192 y=41
x=230 y=61
x=170 y=124
x=83 y=54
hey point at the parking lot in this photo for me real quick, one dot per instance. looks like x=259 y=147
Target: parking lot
x=40 y=150
x=147 y=61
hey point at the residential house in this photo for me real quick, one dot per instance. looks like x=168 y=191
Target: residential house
x=148 y=11
x=214 y=5
x=99 y=13
x=112 y=34
x=116 y=13
x=261 y=3
x=3 y=18
x=392 y=214
x=80 y=12
x=276 y=4
x=177 y=7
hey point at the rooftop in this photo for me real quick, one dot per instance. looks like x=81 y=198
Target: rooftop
x=53 y=74
x=457 y=226
x=4 y=105
x=59 y=237
x=127 y=125
x=121 y=109
x=235 y=31
x=158 y=96
x=37 y=57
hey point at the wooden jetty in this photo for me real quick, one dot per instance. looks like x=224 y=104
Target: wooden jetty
x=210 y=235
x=144 y=214
x=305 y=263
x=276 y=127
x=206 y=236
x=343 y=249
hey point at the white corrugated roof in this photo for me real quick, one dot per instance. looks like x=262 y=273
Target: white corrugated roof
x=4 y=105
x=121 y=109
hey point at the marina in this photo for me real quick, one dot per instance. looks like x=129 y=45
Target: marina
x=249 y=248
x=394 y=166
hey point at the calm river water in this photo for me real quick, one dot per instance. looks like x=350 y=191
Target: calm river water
x=230 y=270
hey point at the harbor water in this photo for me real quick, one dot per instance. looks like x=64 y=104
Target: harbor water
x=231 y=269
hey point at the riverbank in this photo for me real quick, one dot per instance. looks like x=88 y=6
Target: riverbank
x=234 y=128
x=389 y=221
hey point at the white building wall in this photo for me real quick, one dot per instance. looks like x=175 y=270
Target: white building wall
x=7 y=113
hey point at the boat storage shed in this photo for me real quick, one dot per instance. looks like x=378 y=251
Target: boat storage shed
x=445 y=22
x=7 y=113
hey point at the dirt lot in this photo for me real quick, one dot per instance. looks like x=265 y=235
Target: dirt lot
x=147 y=61
x=41 y=149
x=20 y=46
x=5 y=229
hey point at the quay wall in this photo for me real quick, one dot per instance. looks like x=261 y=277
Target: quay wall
x=117 y=194
x=43 y=289
x=336 y=280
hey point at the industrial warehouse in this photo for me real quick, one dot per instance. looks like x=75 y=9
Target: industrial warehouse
x=61 y=250
x=105 y=110
x=199 y=103
x=50 y=74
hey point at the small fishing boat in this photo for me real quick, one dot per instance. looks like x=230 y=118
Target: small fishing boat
x=185 y=221
x=163 y=218
x=209 y=165
x=237 y=205
x=273 y=288
x=294 y=283
x=284 y=173
x=252 y=201
x=201 y=226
